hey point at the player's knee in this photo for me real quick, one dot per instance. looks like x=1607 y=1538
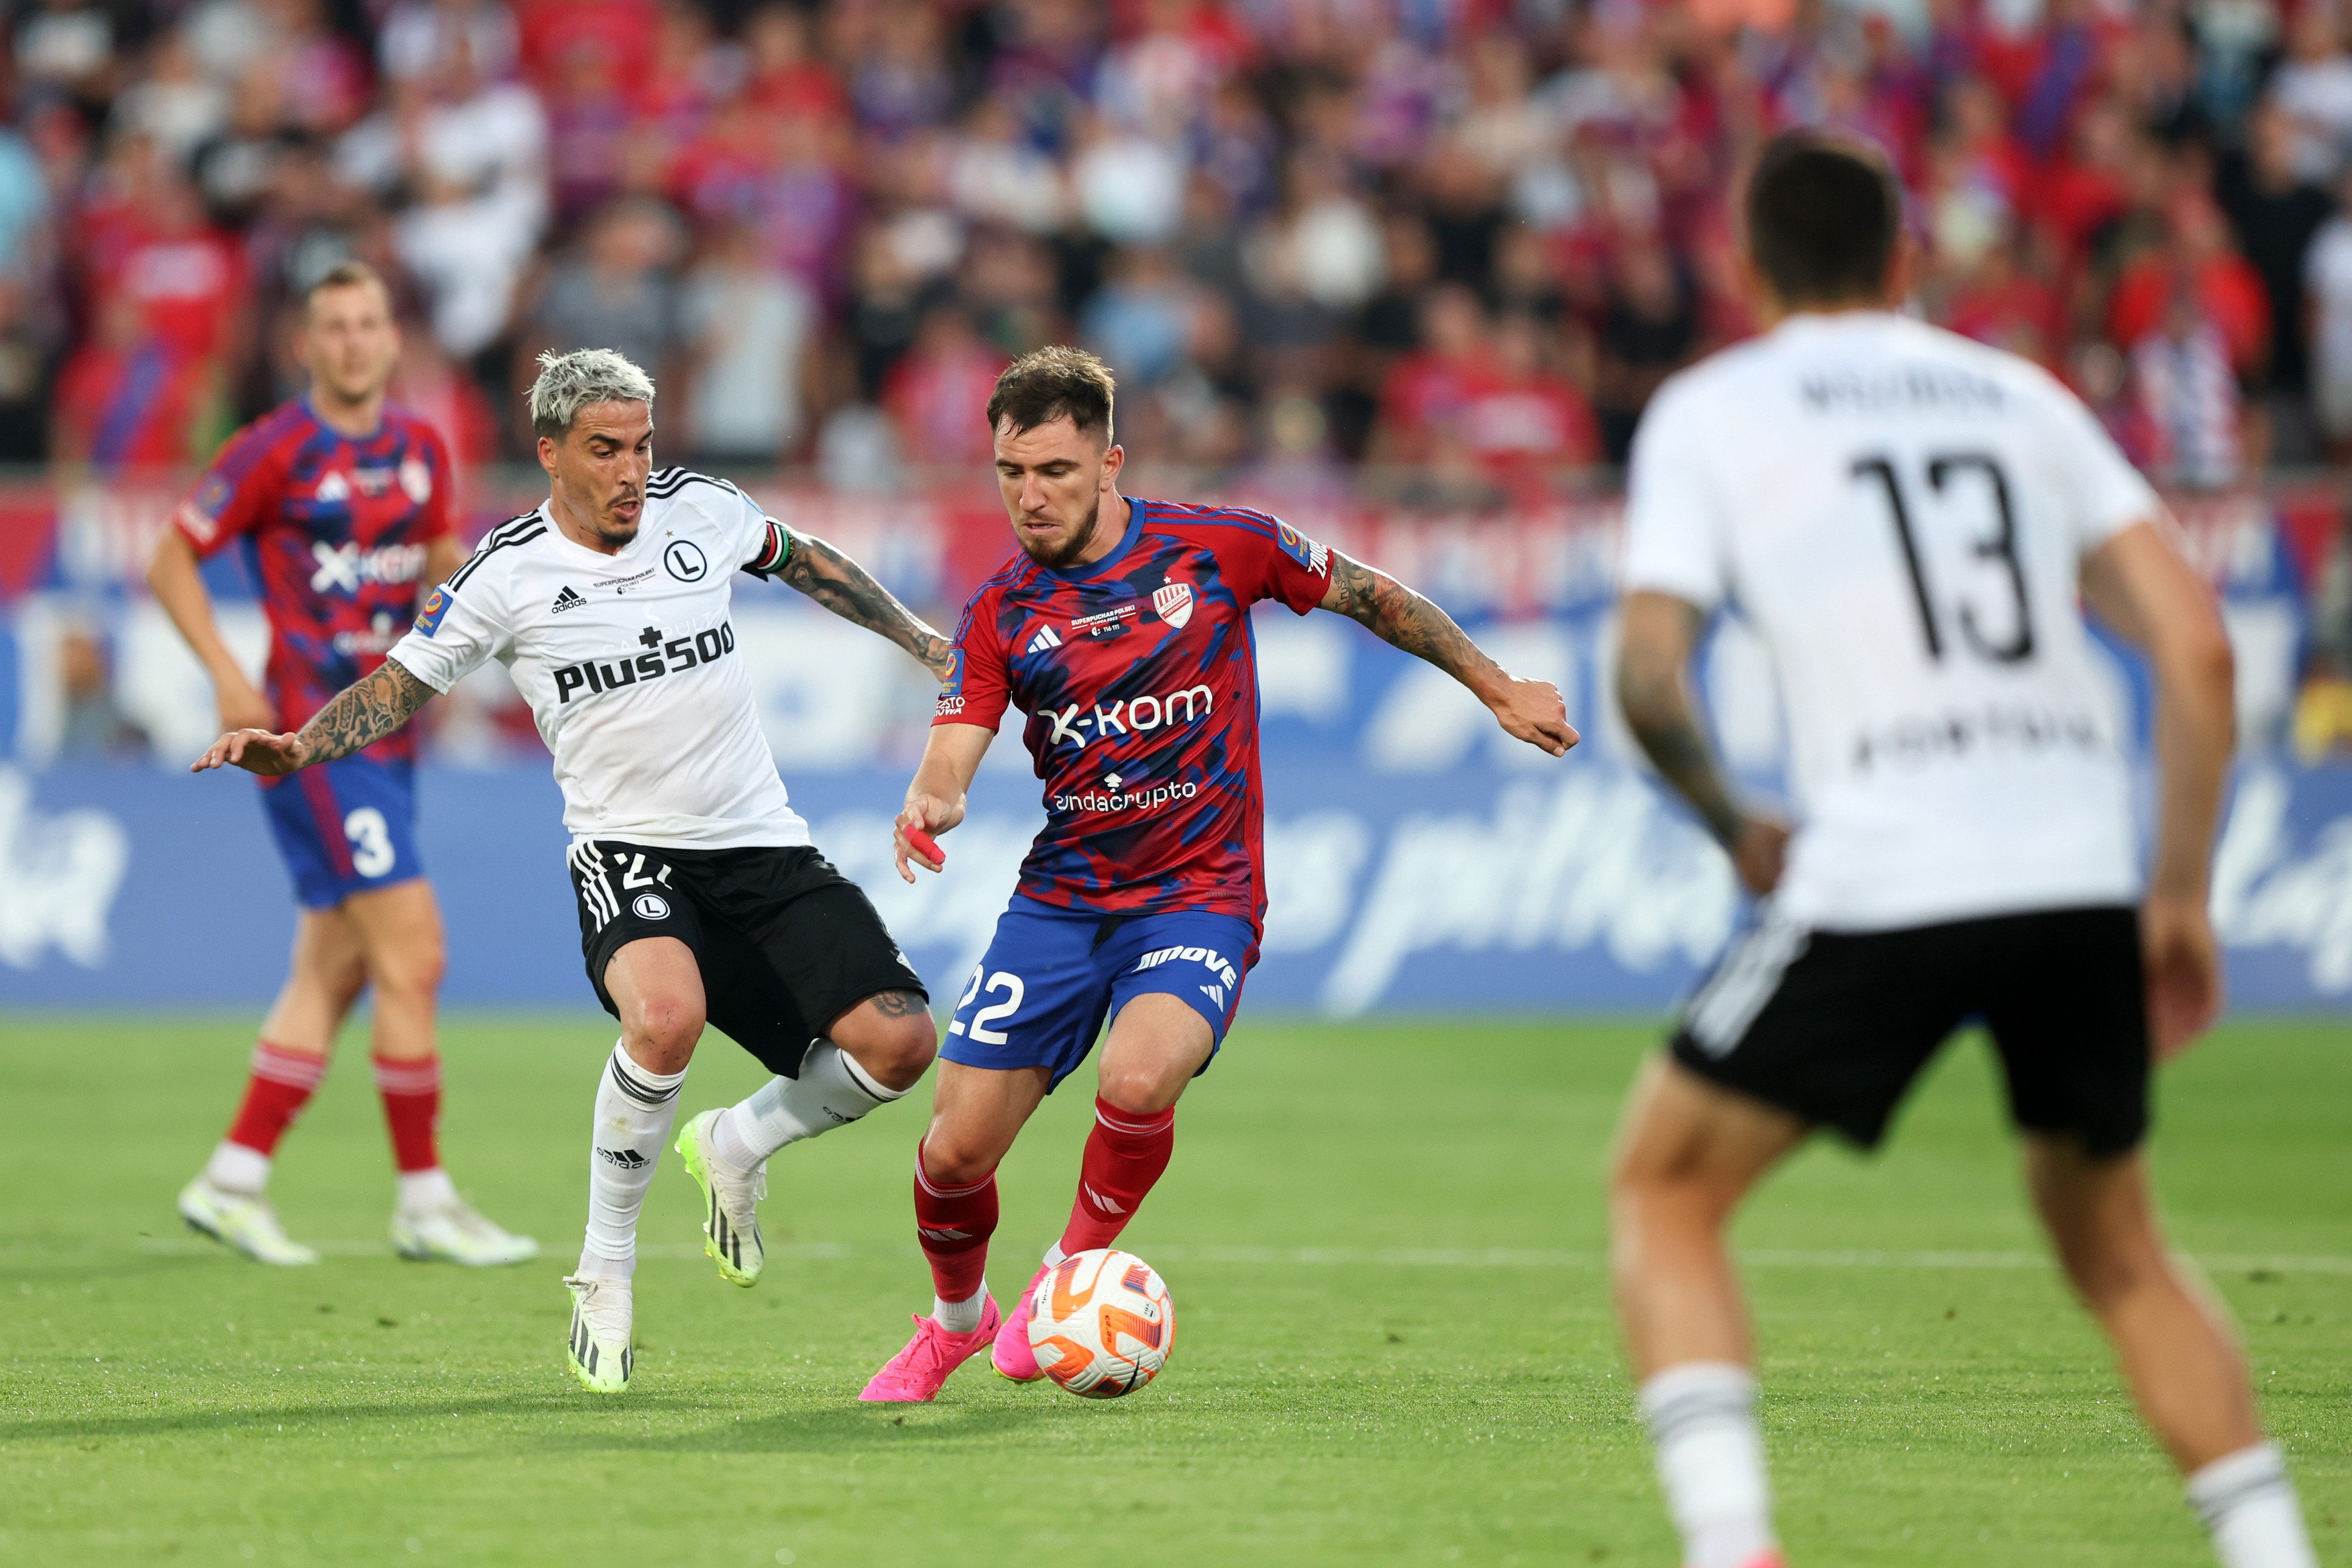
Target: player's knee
x=1147 y=1088
x=414 y=970
x=949 y=1162
x=661 y=1030
x=898 y=1050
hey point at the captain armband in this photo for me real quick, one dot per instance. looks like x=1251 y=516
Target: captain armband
x=773 y=552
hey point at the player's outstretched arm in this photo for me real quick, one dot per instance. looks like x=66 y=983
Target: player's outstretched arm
x=1532 y=710
x=364 y=711
x=849 y=590
x=2139 y=585
x=1657 y=633
x=935 y=800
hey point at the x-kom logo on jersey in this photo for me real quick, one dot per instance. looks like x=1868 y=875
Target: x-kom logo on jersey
x=342 y=568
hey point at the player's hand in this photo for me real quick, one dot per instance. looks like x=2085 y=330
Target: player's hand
x=242 y=707
x=933 y=815
x=1534 y=711
x=256 y=751
x=2184 y=971
x=1758 y=852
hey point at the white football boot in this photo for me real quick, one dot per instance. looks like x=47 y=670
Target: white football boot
x=455 y=1232
x=242 y=1220
x=599 y=1351
x=731 y=1233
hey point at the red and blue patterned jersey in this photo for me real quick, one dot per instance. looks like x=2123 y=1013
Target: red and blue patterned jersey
x=336 y=529
x=1139 y=677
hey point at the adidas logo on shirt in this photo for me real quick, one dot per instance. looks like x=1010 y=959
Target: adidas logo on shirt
x=1043 y=639
x=566 y=600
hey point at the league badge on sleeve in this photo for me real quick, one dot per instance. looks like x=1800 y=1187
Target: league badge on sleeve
x=428 y=613
x=1315 y=557
x=951 y=702
x=1173 y=602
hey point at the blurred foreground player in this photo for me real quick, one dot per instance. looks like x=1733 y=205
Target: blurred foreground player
x=1906 y=519
x=1122 y=630
x=701 y=896
x=344 y=502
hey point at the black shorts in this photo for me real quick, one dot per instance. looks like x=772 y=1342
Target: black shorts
x=1833 y=1027
x=786 y=944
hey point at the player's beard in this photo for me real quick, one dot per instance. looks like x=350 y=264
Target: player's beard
x=1056 y=560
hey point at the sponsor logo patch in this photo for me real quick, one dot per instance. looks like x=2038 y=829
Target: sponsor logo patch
x=1315 y=557
x=1043 y=640
x=566 y=600
x=428 y=613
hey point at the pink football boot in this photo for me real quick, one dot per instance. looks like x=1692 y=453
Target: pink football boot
x=914 y=1375
x=1012 y=1357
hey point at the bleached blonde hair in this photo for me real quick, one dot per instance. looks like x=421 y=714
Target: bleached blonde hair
x=570 y=383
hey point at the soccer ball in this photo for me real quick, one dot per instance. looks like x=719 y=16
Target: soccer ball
x=1101 y=1323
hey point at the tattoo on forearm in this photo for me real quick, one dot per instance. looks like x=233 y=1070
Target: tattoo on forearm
x=1395 y=613
x=846 y=588
x=1658 y=710
x=366 y=711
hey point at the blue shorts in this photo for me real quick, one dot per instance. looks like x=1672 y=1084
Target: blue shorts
x=1052 y=976
x=345 y=827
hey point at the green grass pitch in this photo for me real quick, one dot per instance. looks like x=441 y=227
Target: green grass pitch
x=1395 y=1341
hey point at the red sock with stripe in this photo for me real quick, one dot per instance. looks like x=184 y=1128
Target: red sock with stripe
x=953 y=1224
x=411 y=1087
x=280 y=1084
x=1126 y=1153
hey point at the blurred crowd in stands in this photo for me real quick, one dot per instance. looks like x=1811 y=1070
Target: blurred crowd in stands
x=1459 y=239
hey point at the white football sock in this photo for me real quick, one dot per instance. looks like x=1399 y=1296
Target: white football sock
x=233 y=1168
x=2249 y=1508
x=1056 y=1256
x=633 y=1110
x=1710 y=1456
x=961 y=1316
x=832 y=1092
x=425 y=1191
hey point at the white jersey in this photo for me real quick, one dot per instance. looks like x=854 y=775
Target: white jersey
x=1902 y=514
x=629 y=664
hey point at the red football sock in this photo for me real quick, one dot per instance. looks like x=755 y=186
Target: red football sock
x=953 y=1224
x=412 y=1107
x=281 y=1084
x=1125 y=1155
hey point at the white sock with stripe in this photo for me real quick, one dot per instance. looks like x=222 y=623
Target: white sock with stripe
x=832 y=1092
x=2251 y=1511
x=1710 y=1456
x=635 y=1109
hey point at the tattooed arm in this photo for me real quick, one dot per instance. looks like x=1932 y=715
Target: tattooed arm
x=1530 y=709
x=366 y=711
x=1656 y=635
x=846 y=588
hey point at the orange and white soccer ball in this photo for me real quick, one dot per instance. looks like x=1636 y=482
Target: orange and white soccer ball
x=1101 y=1323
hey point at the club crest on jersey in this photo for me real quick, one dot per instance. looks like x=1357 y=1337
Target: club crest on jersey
x=1173 y=602
x=684 y=561
x=415 y=480
x=1315 y=557
x=429 y=614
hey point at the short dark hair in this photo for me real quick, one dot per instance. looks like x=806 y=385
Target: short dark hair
x=1824 y=211
x=347 y=274
x=1054 y=383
